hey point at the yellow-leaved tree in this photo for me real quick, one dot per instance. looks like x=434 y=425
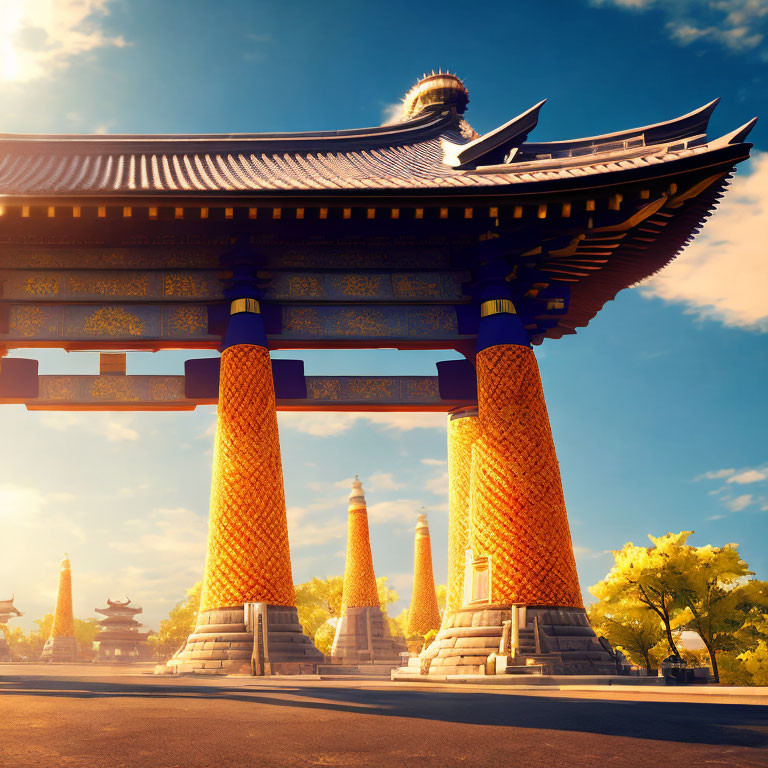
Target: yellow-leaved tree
x=29 y=646
x=708 y=590
x=631 y=628
x=175 y=630
x=319 y=607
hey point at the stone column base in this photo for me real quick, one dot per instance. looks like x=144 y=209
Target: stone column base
x=551 y=641
x=221 y=645
x=362 y=635
x=59 y=649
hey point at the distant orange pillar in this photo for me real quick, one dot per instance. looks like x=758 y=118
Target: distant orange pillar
x=518 y=510
x=359 y=588
x=423 y=614
x=61 y=644
x=362 y=632
x=463 y=430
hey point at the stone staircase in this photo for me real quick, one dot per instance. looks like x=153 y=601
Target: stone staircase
x=535 y=641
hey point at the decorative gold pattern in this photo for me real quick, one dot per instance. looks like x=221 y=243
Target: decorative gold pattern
x=135 y=285
x=369 y=389
x=327 y=389
x=184 y=285
x=359 y=589
x=360 y=322
x=57 y=388
x=164 y=388
x=244 y=305
x=422 y=388
x=63 y=619
x=27 y=321
x=191 y=320
x=437 y=319
x=518 y=515
x=42 y=286
x=462 y=433
x=497 y=307
x=113 y=321
x=304 y=319
x=360 y=285
x=423 y=614
x=415 y=287
x=114 y=388
x=248 y=554
x=305 y=286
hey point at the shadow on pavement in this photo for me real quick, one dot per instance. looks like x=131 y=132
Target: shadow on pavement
x=699 y=723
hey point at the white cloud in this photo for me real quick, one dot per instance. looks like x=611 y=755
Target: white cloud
x=113 y=427
x=329 y=424
x=437 y=484
x=304 y=531
x=739 y=503
x=716 y=474
x=129 y=491
x=434 y=462
x=391 y=113
x=401 y=582
x=383 y=481
x=167 y=532
x=587 y=553
x=748 y=476
x=397 y=511
x=717 y=274
x=39 y=37
x=738 y=25
x=716 y=517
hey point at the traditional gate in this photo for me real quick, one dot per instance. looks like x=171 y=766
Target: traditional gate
x=416 y=235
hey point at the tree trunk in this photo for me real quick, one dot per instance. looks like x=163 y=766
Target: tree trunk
x=713 y=659
x=670 y=641
x=648 y=667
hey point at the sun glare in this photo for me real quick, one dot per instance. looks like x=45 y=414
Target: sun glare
x=10 y=22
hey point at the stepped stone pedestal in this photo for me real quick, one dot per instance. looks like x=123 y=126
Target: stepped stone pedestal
x=511 y=639
x=59 y=649
x=362 y=635
x=221 y=644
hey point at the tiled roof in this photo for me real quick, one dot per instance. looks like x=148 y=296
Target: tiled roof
x=416 y=155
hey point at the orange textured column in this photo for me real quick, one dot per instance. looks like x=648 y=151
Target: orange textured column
x=61 y=644
x=463 y=430
x=63 y=619
x=248 y=554
x=423 y=614
x=359 y=590
x=518 y=510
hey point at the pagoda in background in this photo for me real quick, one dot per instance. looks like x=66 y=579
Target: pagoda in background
x=7 y=611
x=119 y=638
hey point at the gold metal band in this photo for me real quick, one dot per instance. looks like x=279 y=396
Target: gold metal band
x=496 y=307
x=244 y=305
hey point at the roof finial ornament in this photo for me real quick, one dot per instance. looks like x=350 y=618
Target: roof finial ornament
x=437 y=90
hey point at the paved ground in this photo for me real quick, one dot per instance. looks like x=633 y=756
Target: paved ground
x=98 y=717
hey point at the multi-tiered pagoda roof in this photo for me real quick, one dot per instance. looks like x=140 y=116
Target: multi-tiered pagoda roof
x=600 y=213
x=8 y=610
x=120 y=623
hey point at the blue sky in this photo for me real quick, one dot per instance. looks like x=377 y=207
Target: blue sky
x=658 y=408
